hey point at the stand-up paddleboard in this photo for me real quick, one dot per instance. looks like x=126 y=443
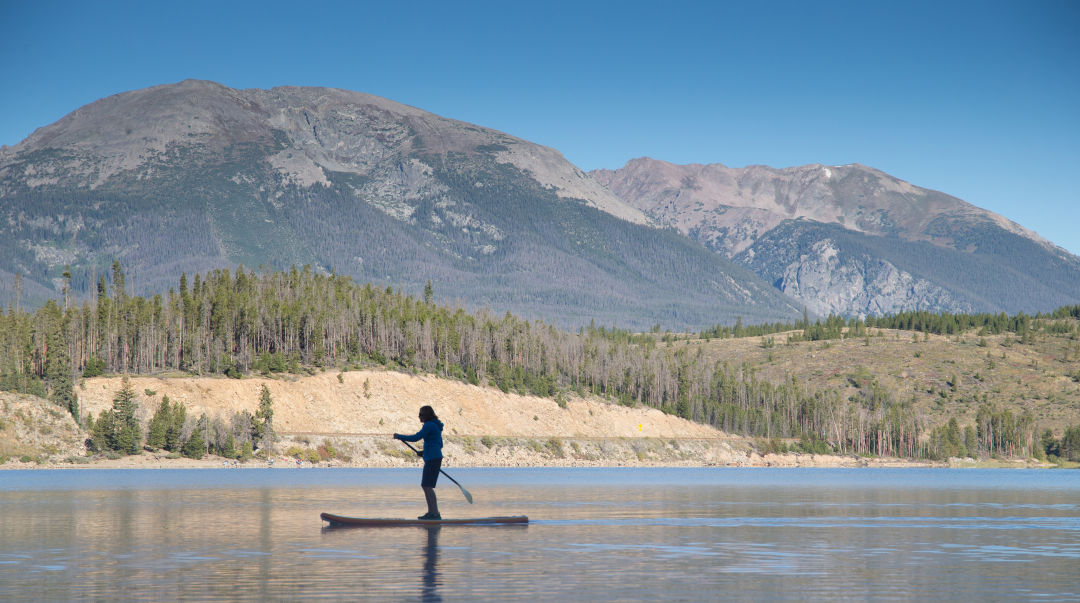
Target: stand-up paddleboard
x=341 y=521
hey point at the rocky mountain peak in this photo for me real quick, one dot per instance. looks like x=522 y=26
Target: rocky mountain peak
x=732 y=206
x=316 y=130
x=848 y=239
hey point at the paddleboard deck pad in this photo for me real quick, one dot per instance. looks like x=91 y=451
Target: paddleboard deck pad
x=373 y=522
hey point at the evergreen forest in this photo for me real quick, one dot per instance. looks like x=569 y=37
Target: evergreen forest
x=235 y=323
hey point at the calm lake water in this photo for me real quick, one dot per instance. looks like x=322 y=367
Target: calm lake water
x=595 y=535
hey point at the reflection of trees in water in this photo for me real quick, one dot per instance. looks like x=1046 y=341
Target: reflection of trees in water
x=429 y=591
x=266 y=542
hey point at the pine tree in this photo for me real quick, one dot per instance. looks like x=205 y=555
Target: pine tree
x=128 y=432
x=195 y=447
x=229 y=449
x=103 y=432
x=971 y=441
x=1070 y=444
x=175 y=428
x=58 y=374
x=263 y=432
x=159 y=425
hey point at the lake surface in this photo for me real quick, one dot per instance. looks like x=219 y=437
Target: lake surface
x=595 y=535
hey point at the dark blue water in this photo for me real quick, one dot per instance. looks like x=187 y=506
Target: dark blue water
x=595 y=534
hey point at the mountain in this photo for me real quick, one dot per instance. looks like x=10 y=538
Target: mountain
x=196 y=176
x=854 y=240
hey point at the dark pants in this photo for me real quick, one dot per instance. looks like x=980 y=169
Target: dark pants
x=431 y=473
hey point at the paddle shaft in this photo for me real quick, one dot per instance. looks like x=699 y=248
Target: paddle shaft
x=468 y=496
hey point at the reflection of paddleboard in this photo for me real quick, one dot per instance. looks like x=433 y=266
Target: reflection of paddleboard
x=338 y=520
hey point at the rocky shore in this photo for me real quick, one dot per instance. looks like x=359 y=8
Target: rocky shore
x=381 y=451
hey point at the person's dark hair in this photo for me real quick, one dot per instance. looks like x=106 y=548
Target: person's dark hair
x=427 y=413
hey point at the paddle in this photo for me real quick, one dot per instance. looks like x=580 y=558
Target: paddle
x=468 y=496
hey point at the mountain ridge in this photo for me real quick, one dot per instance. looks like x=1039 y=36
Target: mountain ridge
x=262 y=102
x=650 y=182
x=194 y=176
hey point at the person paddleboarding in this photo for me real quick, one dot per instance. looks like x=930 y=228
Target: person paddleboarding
x=431 y=433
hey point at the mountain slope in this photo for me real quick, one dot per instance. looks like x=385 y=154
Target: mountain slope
x=854 y=240
x=193 y=176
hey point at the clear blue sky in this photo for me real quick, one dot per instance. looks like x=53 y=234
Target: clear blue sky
x=980 y=100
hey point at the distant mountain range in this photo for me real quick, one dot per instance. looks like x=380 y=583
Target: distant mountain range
x=853 y=240
x=195 y=176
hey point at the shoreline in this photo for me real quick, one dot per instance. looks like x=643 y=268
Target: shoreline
x=159 y=461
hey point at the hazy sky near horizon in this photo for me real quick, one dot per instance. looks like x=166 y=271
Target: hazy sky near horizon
x=978 y=99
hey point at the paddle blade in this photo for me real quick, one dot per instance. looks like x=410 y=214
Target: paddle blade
x=468 y=496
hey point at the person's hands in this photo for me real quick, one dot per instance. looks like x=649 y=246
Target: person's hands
x=397 y=436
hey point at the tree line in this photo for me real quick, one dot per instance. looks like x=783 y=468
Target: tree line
x=923 y=321
x=237 y=322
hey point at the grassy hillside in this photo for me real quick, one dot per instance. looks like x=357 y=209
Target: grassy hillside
x=943 y=376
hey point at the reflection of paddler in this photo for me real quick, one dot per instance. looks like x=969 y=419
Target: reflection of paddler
x=431 y=433
x=431 y=562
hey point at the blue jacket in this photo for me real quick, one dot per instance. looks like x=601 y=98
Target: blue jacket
x=431 y=433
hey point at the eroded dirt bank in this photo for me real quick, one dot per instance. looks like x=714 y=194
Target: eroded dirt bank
x=354 y=413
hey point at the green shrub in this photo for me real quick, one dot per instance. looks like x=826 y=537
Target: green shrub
x=555 y=447
x=95 y=367
x=326 y=451
x=772 y=446
x=469 y=444
x=814 y=446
